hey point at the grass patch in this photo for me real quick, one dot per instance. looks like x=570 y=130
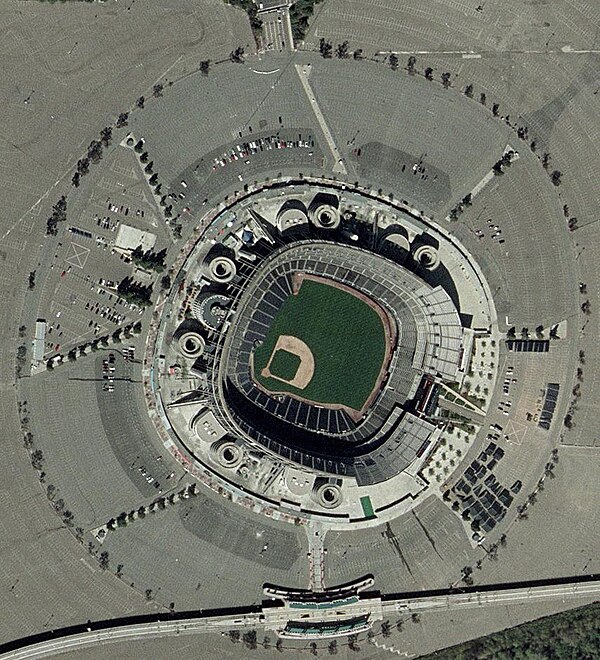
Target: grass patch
x=571 y=634
x=345 y=335
x=284 y=365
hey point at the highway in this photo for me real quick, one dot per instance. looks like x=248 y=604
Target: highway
x=276 y=617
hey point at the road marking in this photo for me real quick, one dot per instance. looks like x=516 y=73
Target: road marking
x=265 y=73
x=88 y=565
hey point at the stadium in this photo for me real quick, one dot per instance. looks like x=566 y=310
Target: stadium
x=321 y=341
x=378 y=438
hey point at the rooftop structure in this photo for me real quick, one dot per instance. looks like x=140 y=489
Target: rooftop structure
x=39 y=341
x=128 y=238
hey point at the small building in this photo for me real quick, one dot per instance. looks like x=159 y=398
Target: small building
x=39 y=341
x=128 y=238
x=270 y=5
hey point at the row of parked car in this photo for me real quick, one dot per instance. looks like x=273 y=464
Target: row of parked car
x=481 y=498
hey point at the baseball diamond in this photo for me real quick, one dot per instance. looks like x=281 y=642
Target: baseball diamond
x=291 y=362
x=344 y=332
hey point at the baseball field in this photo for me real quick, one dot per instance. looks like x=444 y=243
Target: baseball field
x=330 y=339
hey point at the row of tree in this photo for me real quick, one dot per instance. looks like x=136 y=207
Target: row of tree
x=59 y=214
x=135 y=292
x=148 y=259
x=94 y=155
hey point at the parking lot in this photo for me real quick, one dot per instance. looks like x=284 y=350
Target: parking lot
x=80 y=299
x=78 y=65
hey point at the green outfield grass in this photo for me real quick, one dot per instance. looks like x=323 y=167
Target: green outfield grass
x=346 y=337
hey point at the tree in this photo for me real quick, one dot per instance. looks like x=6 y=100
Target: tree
x=386 y=628
x=393 y=61
x=95 y=151
x=83 y=166
x=341 y=50
x=103 y=560
x=144 y=157
x=122 y=120
x=522 y=132
x=106 y=136
x=358 y=54
x=140 y=102
x=446 y=80
x=429 y=73
x=468 y=91
x=249 y=639
x=546 y=160
x=556 y=176
x=76 y=179
x=204 y=67
x=157 y=90
x=237 y=55
x=482 y=98
x=496 y=109
x=31 y=282
x=353 y=643
x=165 y=282
x=325 y=48
x=139 y=147
x=410 y=65
x=148 y=594
x=313 y=648
x=332 y=647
